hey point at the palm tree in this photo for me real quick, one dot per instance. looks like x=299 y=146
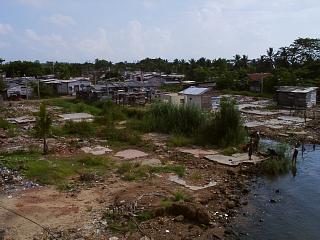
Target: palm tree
x=43 y=126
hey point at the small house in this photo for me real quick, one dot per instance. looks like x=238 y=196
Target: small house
x=200 y=97
x=256 y=81
x=72 y=86
x=296 y=97
x=173 y=98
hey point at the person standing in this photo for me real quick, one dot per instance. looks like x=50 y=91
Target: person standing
x=295 y=154
x=250 y=149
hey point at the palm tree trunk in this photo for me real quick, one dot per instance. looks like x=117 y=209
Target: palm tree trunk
x=45 y=146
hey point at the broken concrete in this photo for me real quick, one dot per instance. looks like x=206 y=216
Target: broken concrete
x=176 y=179
x=234 y=160
x=293 y=119
x=22 y=120
x=197 y=152
x=148 y=161
x=130 y=154
x=76 y=117
x=98 y=150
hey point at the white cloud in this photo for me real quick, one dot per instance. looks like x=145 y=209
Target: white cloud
x=61 y=20
x=35 y=3
x=97 y=46
x=51 y=40
x=5 y=29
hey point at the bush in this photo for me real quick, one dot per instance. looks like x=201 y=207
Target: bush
x=4 y=124
x=224 y=128
x=168 y=118
x=277 y=165
x=83 y=129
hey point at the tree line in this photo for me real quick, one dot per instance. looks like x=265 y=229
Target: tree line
x=296 y=64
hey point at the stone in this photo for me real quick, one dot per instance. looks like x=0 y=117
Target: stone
x=130 y=154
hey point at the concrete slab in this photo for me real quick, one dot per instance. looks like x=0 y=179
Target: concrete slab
x=293 y=119
x=148 y=161
x=76 y=117
x=260 y=113
x=233 y=160
x=197 y=152
x=131 y=154
x=98 y=150
x=21 y=120
x=176 y=179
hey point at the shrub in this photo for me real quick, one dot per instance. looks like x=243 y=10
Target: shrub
x=278 y=164
x=224 y=128
x=168 y=118
x=4 y=124
x=83 y=129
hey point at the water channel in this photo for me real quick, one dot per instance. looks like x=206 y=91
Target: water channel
x=286 y=207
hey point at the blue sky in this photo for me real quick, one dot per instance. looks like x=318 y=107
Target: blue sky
x=129 y=30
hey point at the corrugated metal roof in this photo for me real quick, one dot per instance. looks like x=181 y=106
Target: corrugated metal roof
x=194 y=91
x=296 y=89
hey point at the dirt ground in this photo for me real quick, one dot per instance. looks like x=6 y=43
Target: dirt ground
x=153 y=207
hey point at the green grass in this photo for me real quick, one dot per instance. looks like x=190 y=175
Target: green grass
x=229 y=151
x=179 y=141
x=53 y=170
x=277 y=165
x=180 y=196
x=134 y=171
x=72 y=105
x=4 y=124
x=172 y=119
x=145 y=216
x=247 y=93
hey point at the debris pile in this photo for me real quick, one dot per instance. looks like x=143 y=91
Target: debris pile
x=11 y=181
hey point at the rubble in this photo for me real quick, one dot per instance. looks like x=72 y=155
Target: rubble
x=11 y=181
x=235 y=159
x=22 y=120
x=176 y=179
x=130 y=154
x=76 y=117
x=98 y=150
x=196 y=152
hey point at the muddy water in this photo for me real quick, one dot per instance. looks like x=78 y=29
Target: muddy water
x=287 y=207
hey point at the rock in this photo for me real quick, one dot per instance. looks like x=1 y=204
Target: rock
x=113 y=238
x=145 y=238
x=272 y=201
x=277 y=191
x=179 y=218
x=203 y=216
x=187 y=210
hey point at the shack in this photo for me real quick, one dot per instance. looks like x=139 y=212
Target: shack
x=72 y=86
x=200 y=97
x=256 y=81
x=296 y=97
x=172 y=98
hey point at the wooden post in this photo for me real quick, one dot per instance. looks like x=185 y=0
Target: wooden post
x=2 y=233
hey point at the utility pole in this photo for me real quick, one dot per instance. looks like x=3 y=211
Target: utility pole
x=39 y=88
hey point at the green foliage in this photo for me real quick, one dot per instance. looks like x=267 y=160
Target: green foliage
x=169 y=118
x=180 y=196
x=44 y=121
x=277 y=165
x=145 y=216
x=179 y=141
x=177 y=169
x=224 y=128
x=70 y=105
x=53 y=171
x=4 y=124
x=134 y=171
x=229 y=151
x=82 y=129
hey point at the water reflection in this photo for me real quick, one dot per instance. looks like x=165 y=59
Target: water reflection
x=296 y=212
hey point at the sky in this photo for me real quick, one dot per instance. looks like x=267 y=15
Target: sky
x=130 y=30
